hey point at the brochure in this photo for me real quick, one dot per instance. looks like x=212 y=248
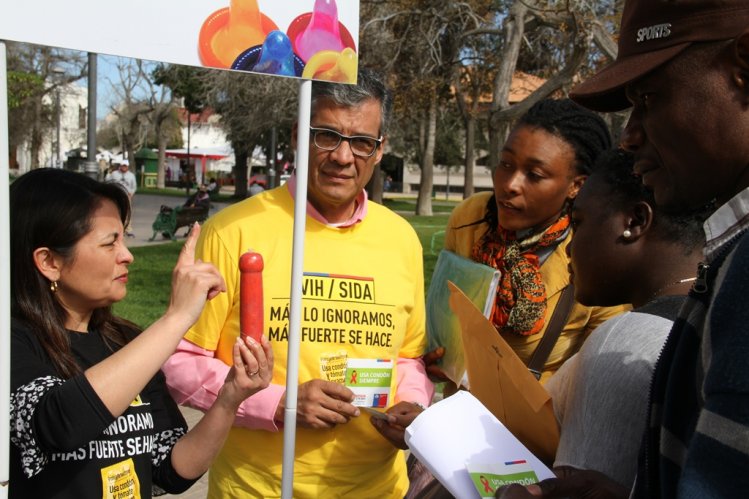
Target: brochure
x=370 y=381
x=479 y=283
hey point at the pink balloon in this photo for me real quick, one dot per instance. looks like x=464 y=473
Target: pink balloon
x=322 y=32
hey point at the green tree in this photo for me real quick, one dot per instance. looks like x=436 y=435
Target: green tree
x=35 y=75
x=469 y=51
x=418 y=42
x=187 y=83
x=249 y=106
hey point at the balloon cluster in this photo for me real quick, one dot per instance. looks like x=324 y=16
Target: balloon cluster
x=316 y=44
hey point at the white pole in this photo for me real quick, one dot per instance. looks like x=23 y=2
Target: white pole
x=5 y=280
x=295 y=311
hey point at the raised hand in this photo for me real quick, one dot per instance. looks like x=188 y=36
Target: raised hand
x=251 y=371
x=193 y=282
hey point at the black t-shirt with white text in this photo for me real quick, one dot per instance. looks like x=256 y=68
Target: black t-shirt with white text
x=66 y=444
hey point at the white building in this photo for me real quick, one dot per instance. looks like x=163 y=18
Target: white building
x=210 y=152
x=72 y=126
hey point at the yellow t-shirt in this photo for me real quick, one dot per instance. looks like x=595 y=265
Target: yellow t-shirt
x=363 y=297
x=461 y=236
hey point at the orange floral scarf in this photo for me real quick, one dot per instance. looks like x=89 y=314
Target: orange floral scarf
x=520 y=306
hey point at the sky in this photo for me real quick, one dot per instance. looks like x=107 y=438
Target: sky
x=107 y=75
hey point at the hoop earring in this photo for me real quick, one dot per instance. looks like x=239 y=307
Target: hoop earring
x=53 y=286
x=627 y=234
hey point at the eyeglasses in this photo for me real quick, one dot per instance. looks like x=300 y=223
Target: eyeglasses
x=329 y=140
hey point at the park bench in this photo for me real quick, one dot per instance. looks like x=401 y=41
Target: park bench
x=170 y=219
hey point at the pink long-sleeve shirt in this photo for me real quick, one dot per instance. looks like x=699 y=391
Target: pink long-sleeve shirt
x=201 y=376
x=195 y=376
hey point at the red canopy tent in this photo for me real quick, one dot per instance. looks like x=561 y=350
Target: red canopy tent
x=202 y=154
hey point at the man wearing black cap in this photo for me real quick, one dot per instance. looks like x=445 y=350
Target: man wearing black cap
x=683 y=67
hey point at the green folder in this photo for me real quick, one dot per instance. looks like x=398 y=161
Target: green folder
x=479 y=283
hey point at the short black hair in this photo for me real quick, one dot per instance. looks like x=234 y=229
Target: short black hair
x=615 y=168
x=584 y=130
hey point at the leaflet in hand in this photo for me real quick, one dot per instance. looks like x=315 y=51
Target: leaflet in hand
x=479 y=283
x=477 y=444
x=488 y=477
x=370 y=381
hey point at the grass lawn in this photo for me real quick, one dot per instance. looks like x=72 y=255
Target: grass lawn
x=150 y=274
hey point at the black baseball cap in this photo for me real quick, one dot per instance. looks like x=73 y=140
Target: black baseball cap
x=652 y=33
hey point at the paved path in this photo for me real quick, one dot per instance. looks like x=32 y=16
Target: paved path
x=145 y=208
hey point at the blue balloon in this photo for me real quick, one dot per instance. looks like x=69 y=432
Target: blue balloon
x=276 y=55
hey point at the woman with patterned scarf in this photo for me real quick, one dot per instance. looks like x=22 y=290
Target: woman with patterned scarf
x=523 y=227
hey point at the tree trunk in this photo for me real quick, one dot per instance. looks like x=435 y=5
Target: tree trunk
x=374 y=186
x=514 y=29
x=161 y=168
x=36 y=146
x=470 y=160
x=240 y=172
x=497 y=137
x=424 y=201
x=36 y=135
x=469 y=122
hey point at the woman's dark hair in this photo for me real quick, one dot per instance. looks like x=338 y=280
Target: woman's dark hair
x=582 y=129
x=52 y=208
x=615 y=168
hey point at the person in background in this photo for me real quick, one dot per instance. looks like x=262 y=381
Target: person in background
x=255 y=188
x=363 y=298
x=213 y=188
x=387 y=184
x=123 y=177
x=624 y=249
x=90 y=413
x=676 y=61
x=522 y=227
x=201 y=199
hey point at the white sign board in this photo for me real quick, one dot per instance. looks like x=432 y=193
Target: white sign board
x=314 y=39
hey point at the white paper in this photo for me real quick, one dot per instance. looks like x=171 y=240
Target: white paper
x=460 y=429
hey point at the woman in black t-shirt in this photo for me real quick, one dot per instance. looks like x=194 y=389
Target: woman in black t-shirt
x=90 y=412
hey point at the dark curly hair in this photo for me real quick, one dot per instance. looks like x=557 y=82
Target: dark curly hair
x=582 y=129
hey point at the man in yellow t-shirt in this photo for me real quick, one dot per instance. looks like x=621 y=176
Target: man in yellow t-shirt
x=363 y=299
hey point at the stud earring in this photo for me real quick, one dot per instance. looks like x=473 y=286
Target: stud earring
x=53 y=286
x=627 y=234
